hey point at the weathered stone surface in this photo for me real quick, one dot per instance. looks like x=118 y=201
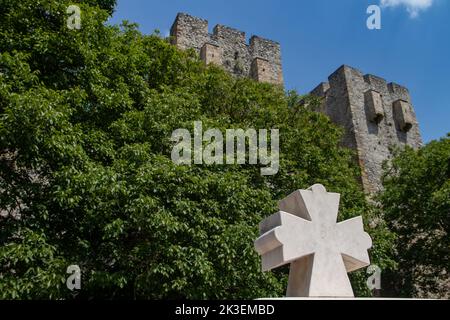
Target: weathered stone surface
x=189 y=32
x=262 y=71
x=402 y=115
x=376 y=117
x=374 y=106
x=211 y=53
x=236 y=56
x=305 y=233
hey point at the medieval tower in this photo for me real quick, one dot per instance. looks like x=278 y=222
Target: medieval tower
x=227 y=47
x=377 y=116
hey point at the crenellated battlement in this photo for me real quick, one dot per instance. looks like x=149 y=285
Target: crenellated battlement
x=230 y=34
x=259 y=59
x=377 y=116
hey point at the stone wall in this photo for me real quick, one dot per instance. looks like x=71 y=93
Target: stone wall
x=377 y=117
x=228 y=47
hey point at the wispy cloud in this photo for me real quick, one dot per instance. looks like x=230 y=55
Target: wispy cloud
x=414 y=7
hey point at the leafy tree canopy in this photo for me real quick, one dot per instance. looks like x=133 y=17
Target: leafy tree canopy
x=416 y=203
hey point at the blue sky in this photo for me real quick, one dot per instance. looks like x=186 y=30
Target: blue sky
x=317 y=36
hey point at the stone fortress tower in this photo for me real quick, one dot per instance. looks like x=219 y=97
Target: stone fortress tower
x=376 y=116
x=227 y=47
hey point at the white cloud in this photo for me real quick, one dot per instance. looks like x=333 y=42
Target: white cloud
x=414 y=7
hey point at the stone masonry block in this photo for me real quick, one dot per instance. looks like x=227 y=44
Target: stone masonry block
x=211 y=53
x=402 y=115
x=374 y=106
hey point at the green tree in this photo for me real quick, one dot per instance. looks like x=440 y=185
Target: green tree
x=86 y=177
x=416 y=205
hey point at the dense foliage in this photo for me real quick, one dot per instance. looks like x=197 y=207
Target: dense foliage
x=86 y=177
x=416 y=203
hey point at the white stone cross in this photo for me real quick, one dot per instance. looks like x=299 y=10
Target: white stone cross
x=305 y=233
